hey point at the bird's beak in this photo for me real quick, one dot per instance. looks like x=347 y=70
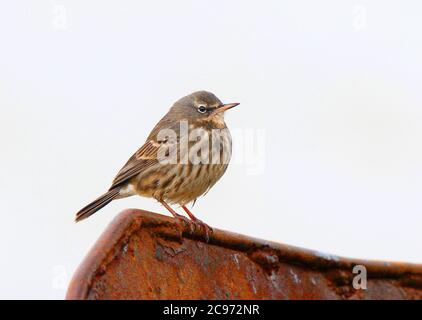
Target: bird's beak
x=225 y=107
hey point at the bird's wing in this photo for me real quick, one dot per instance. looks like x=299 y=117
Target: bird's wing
x=144 y=158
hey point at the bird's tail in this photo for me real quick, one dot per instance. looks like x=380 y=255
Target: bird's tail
x=97 y=204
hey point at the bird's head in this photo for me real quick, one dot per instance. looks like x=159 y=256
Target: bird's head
x=201 y=108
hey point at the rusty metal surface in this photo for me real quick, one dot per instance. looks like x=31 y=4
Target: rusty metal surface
x=144 y=255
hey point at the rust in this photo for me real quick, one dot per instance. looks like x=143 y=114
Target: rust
x=144 y=255
x=266 y=257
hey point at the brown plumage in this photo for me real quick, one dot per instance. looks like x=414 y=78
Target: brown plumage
x=186 y=153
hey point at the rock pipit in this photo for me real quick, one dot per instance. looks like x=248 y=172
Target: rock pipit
x=186 y=153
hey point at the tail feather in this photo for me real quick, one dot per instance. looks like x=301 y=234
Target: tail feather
x=97 y=204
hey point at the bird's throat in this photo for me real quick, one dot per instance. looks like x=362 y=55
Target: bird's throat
x=213 y=121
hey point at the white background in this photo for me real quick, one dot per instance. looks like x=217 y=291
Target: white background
x=335 y=86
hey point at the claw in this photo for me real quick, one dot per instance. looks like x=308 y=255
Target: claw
x=207 y=229
x=186 y=222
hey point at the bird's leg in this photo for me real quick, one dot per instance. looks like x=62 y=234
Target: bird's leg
x=176 y=215
x=208 y=230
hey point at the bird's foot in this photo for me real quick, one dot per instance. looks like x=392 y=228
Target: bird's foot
x=186 y=222
x=198 y=223
x=202 y=225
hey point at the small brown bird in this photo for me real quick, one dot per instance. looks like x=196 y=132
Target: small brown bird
x=186 y=153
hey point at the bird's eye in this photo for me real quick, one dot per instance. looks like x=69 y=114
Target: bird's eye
x=202 y=108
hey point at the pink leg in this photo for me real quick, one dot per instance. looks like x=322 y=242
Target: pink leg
x=176 y=215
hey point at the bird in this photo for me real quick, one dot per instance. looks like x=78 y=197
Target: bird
x=184 y=156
